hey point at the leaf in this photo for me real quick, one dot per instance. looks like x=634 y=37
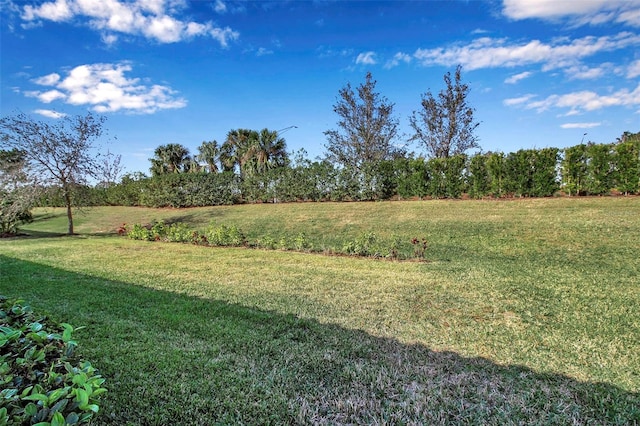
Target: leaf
x=58 y=420
x=35 y=327
x=31 y=409
x=82 y=397
x=72 y=419
x=66 y=334
x=36 y=397
x=57 y=394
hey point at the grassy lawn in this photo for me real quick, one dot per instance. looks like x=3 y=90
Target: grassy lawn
x=528 y=311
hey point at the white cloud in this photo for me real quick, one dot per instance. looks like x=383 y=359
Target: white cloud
x=519 y=100
x=57 y=11
x=634 y=69
x=580 y=125
x=105 y=88
x=397 y=58
x=50 y=113
x=584 y=100
x=366 y=58
x=488 y=52
x=582 y=12
x=152 y=19
x=263 y=51
x=517 y=77
x=220 y=7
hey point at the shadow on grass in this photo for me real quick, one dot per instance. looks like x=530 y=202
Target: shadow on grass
x=174 y=359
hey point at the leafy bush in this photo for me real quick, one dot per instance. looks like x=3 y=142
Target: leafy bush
x=139 y=232
x=179 y=232
x=42 y=380
x=225 y=235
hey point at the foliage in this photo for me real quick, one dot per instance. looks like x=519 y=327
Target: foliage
x=43 y=382
x=445 y=126
x=366 y=130
x=600 y=168
x=170 y=158
x=574 y=169
x=209 y=154
x=139 y=232
x=223 y=235
x=627 y=166
x=61 y=154
x=17 y=194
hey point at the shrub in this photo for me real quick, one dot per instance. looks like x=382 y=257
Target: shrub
x=225 y=235
x=42 y=380
x=179 y=232
x=139 y=232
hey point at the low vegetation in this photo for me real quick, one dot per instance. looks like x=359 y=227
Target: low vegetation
x=526 y=312
x=43 y=381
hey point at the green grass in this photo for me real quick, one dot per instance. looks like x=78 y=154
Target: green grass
x=527 y=312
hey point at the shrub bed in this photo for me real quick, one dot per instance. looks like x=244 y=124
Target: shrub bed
x=43 y=382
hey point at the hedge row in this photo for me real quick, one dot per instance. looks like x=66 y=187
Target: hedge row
x=593 y=169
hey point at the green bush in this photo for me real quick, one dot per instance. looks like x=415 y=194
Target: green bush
x=43 y=382
x=139 y=232
x=225 y=235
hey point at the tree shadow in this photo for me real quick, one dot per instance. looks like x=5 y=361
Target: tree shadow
x=170 y=358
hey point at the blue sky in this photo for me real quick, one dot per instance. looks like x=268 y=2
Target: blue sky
x=542 y=72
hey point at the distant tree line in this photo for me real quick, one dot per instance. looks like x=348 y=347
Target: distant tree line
x=584 y=169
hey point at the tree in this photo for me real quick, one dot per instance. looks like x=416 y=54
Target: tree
x=234 y=150
x=445 y=126
x=209 y=153
x=17 y=193
x=61 y=153
x=266 y=152
x=170 y=158
x=366 y=129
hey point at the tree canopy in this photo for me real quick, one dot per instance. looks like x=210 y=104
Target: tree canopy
x=366 y=129
x=62 y=153
x=445 y=125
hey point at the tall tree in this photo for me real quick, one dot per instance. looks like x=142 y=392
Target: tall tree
x=209 y=153
x=268 y=151
x=366 y=130
x=61 y=153
x=235 y=149
x=170 y=158
x=445 y=125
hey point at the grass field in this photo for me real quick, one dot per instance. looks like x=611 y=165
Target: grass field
x=527 y=312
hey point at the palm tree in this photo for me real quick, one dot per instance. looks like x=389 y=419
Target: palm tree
x=269 y=151
x=170 y=158
x=208 y=153
x=235 y=149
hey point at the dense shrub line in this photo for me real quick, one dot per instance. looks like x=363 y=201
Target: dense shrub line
x=585 y=169
x=43 y=382
x=365 y=245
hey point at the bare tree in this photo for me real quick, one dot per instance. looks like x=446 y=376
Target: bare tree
x=366 y=129
x=445 y=126
x=61 y=153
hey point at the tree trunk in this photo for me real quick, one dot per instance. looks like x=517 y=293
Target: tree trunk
x=67 y=200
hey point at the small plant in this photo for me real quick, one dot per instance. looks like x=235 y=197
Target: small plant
x=42 y=380
x=139 y=232
x=179 y=232
x=159 y=230
x=225 y=235
x=419 y=247
x=267 y=242
x=301 y=242
x=361 y=246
